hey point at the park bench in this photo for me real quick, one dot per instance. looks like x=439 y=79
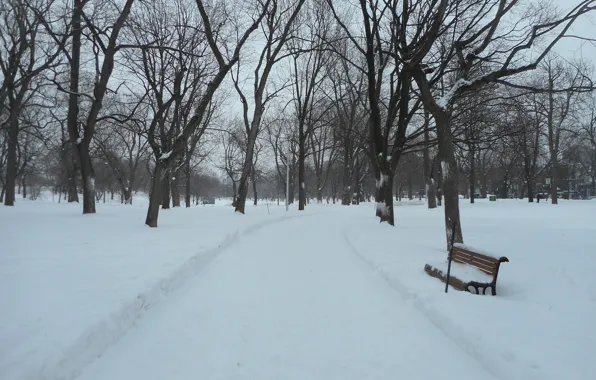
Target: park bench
x=470 y=271
x=208 y=201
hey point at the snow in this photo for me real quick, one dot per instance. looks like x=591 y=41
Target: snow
x=445 y=169
x=478 y=250
x=381 y=181
x=79 y=140
x=446 y=99
x=70 y=286
x=210 y=294
x=165 y=156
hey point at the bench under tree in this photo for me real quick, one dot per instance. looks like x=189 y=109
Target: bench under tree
x=471 y=271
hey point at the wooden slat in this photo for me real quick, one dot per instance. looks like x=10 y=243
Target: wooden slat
x=455 y=282
x=484 y=263
x=480 y=256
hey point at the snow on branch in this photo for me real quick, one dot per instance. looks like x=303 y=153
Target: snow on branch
x=446 y=99
x=165 y=156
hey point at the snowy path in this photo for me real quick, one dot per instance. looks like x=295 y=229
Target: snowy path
x=309 y=309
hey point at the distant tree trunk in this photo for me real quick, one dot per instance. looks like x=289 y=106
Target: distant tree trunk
x=176 y=189
x=504 y=193
x=301 y=169
x=73 y=195
x=165 y=189
x=410 y=187
x=292 y=188
x=155 y=198
x=554 y=180
x=552 y=142
x=472 y=174
x=235 y=191
x=2 y=193
x=428 y=169
x=530 y=189
x=11 y=154
x=254 y=185
x=128 y=196
x=346 y=180
x=240 y=205
x=24 y=185
x=187 y=172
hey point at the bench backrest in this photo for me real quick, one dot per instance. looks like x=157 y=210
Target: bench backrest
x=487 y=264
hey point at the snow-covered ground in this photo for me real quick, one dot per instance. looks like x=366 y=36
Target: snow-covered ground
x=325 y=294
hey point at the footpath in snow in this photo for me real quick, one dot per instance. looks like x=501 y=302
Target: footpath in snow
x=287 y=302
x=71 y=285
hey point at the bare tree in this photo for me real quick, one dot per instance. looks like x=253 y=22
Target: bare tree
x=25 y=52
x=166 y=159
x=278 y=27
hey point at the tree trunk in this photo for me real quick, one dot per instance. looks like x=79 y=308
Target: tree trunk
x=2 y=193
x=187 y=172
x=254 y=186
x=235 y=193
x=155 y=198
x=292 y=187
x=504 y=193
x=440 y=186
x=346 y=180
x=530 y=189
x=449 y=176
x=165 y=189
x=128 y=196
x=176 y=189
x=246 y=170
x=384 y=195
x=88 y=176
x=429 y=181
x=72 y=117
x=24 y=185
x=554 y=179
x=11 y=154
x=73 y=195
x=472 y=175
x=301 y=170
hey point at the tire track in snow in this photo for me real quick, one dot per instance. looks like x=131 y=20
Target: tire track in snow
x=105 y=333
x=441 y=322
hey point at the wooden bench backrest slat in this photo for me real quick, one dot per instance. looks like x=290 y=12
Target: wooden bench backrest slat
x=485 y=263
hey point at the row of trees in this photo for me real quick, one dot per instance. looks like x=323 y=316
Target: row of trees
x=354 y=100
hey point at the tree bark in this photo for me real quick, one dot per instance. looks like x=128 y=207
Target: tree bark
x=175 y=189
x=431 y=199
x=155 y=198
x=88 y=175
x=24 y=185
x=187 y=171
x=246 y=170
x=449 y=175
x=530 y=189
x=346 y=179
x=384 y=194
x=472 y=174
x=254 y=186
x=128 y=196
x=301 y=169
x=11 y=154
x=165 y=190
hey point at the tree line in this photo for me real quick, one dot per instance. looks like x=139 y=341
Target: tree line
x=355 y=100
